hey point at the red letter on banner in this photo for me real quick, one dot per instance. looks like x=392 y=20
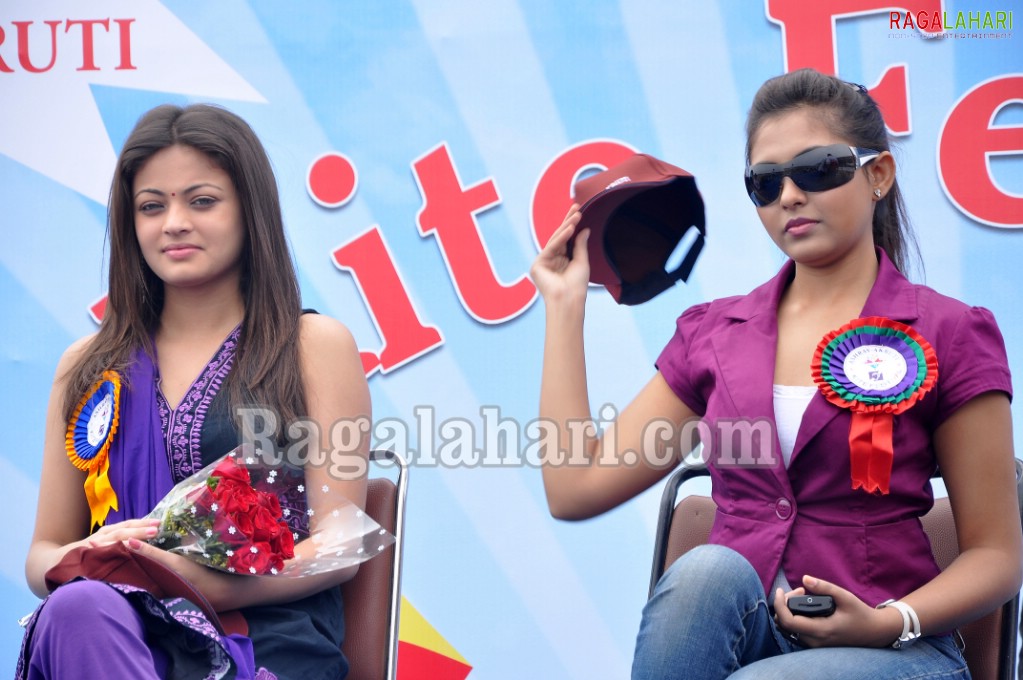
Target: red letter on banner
x=968 y=136
x=124 y=29
x=553 y=194
x=23 y=58
x=88 y=44
x=808 y=29
x=449 y=212
x=405 y=337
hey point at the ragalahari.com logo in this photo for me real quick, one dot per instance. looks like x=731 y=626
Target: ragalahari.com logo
x=996 y=25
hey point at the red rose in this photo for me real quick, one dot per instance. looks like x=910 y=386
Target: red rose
x=265 y=526
x=229 y=469
x=284 y=544
x=235 y=497
x=270 y=502
x=246 y=561
x=243 y=521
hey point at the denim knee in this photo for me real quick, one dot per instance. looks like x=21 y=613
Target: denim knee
x=705 y=616
x=710 y=569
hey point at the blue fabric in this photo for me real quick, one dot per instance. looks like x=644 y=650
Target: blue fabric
x=709 y=618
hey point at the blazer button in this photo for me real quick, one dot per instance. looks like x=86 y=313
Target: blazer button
x=783 y=508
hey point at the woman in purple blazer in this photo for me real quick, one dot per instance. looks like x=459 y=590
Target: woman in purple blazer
x=825 y=400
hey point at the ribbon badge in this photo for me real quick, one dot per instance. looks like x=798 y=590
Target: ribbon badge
x=877 y=368
x=89 y=434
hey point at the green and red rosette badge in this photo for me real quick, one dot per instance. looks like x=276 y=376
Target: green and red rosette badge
x=877 y=368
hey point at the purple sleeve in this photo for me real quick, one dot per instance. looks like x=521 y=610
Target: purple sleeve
x=674 y=363
x=974 y=363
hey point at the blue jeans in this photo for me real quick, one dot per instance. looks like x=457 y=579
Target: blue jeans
x=709 y=618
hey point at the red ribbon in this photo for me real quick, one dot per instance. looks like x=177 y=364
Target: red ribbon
x=870 y=451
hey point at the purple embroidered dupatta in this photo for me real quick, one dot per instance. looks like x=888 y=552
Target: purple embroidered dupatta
x=140 y=476
x=139 y=471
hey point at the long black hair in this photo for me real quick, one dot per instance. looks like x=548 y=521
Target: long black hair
x=267 y=368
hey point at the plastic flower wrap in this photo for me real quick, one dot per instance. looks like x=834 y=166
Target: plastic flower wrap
x=242 y=515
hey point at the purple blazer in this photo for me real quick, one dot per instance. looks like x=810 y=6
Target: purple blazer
x=808 y=519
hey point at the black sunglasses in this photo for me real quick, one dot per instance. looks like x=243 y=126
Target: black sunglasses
x=820 y=169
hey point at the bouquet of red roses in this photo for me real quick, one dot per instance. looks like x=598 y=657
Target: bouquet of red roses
x=244 y=517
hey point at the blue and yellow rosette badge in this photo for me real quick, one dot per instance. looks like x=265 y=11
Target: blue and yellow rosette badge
x=89 y=433
x=877 y=368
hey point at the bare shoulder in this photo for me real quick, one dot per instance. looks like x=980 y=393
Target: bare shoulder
x=328 y=350
x=318 y=333
x=335 y=382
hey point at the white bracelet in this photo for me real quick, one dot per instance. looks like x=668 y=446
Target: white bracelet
x=909 y=617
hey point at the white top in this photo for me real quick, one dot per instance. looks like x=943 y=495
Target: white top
x=790 y=402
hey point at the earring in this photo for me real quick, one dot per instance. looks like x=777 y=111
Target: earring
x=877 y=193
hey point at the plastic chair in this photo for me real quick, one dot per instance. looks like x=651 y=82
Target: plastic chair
x=372 y=599
x=990 y=642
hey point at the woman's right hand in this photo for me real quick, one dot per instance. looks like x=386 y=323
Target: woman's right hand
x=555 y=273
x=142 y=529
x=120 y=532
x=47 y=553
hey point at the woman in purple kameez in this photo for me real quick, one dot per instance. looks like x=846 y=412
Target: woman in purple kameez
x=203 y=318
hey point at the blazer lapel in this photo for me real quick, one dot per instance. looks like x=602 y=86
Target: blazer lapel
x=745 y=353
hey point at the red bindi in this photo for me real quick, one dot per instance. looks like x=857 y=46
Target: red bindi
x=173 y=194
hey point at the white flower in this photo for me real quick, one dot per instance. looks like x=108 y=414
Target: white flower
x=310 y=512
x=325 y=488
x=231 y=569
x=229 y=552
x=294 y=535
x=252 y=570
x=253 y=549
x=232 y=531
x=286 y=512
x=209 y=532
x=336 y=512
x=192 y=510
x=273 y=570
x=301 y=488
x=214 y=507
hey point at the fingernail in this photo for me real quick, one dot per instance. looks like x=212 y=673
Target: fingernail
x=134 y=543
x=810 y=581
